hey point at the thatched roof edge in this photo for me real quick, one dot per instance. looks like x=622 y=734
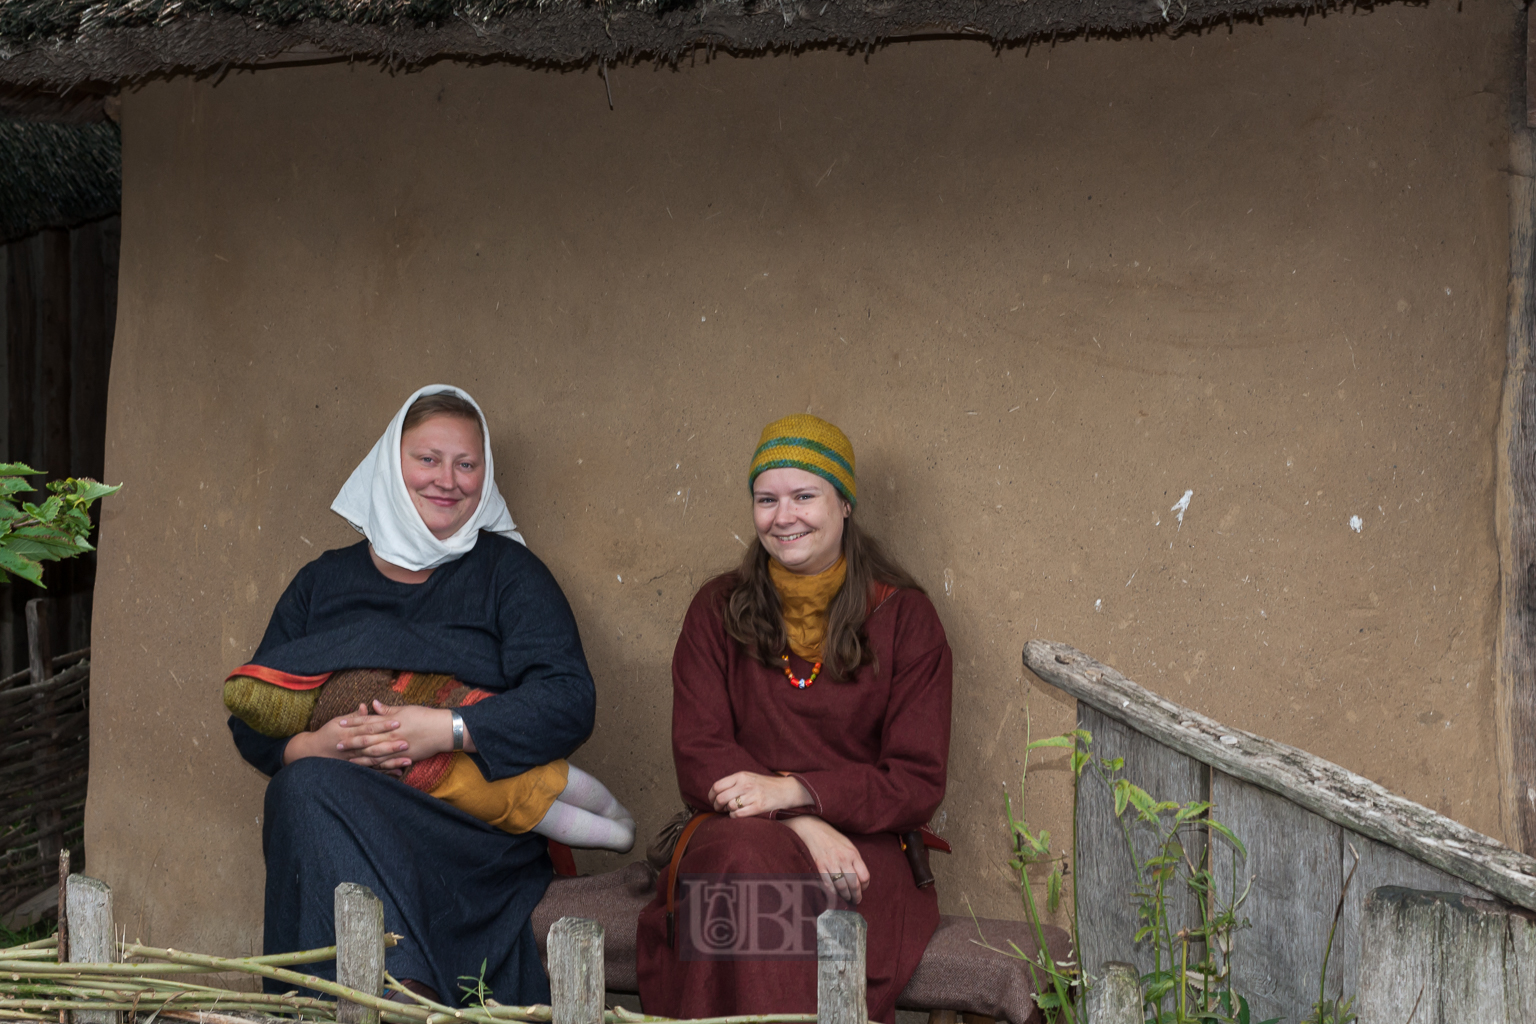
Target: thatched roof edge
x=57 y=175
x=197 y=36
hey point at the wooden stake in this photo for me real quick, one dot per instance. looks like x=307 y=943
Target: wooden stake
x=63 y=949
x=576 y=978
x=841 y=983
x=93 y=937
x=1116 y=999
x=359 y=950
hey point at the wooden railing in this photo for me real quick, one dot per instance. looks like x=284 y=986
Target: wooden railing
x=1415 y=933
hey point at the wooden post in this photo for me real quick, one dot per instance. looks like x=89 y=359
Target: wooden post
x=1116 y=999
x=47 y=815
x=93 y=938
x=1438 y=958
x=1515 y=520
x=63 y=890
x=841 y=983
x=359 y=949
x=576 y=980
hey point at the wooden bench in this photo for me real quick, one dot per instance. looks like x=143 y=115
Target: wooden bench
x=956 y=974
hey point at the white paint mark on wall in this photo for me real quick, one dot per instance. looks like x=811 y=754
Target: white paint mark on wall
x=1355 y=523
x=1098 y=605
x=1181 y=506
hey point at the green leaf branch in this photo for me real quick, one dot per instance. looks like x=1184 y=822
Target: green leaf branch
x=55 y=530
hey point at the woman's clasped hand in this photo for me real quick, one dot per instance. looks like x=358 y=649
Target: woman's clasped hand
x=380 y=736
x=748 y=794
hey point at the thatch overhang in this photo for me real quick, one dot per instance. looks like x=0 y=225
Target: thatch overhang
x=55 y=175
x=60 y=44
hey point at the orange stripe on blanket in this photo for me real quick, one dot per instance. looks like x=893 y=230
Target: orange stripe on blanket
x=286 y=680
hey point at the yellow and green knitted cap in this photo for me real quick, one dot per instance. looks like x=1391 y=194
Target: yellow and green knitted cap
x=807 y=442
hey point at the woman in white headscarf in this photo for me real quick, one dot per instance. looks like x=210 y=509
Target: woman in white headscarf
x=442 y=586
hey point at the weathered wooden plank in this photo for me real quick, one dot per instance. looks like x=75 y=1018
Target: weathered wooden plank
x=1339 y=795
x=92 y=938
x=576 y=979
x=1293 y=861
x=1515 y=524
x=1107 y=923
x=90 y=345
x=21 y=350
x=53 y=342
x=1530 y=73
x=1380 y=865
x=1116 y=999
x=1439 y=958
x=841 y=979
x=359 y=917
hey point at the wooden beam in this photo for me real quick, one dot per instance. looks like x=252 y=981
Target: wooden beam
x=1320 y=786
x=1515 y=507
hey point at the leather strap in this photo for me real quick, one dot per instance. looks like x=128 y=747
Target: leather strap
x=677 y=860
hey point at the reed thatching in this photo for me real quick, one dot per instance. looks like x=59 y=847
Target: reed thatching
x=61 y=43
x=56 y=176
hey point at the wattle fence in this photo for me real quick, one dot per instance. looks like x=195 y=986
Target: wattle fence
x=44 y=755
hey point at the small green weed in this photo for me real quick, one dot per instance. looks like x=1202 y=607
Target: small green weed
x=473 y=986
x=1190 y=980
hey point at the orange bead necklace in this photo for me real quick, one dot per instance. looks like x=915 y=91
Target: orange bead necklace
x=800 y=684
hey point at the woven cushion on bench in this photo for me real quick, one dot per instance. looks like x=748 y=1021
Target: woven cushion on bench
x=956 y=973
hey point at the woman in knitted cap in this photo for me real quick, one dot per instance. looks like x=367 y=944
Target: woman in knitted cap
x=810 y=730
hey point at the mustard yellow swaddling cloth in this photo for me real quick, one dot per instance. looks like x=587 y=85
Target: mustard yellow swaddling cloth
x=513 y=805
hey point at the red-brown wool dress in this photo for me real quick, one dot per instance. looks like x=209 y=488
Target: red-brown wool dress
x=872 y=751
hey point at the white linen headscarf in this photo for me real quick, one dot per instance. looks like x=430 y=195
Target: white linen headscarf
x=375 y=501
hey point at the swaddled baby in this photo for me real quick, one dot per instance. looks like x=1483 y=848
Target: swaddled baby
x=557 y=800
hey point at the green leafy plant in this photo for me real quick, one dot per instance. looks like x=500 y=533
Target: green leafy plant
x=473 y=987
x=57 y=529
x=1190 y=980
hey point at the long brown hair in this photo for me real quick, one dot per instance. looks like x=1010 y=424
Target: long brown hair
x=753 y=617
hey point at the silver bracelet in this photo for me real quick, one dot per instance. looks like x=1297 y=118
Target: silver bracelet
x=458 y=730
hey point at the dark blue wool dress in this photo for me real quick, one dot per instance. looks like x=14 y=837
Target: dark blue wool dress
x=458 y=890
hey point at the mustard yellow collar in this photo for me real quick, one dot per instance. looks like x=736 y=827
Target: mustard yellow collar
x=805 y=600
